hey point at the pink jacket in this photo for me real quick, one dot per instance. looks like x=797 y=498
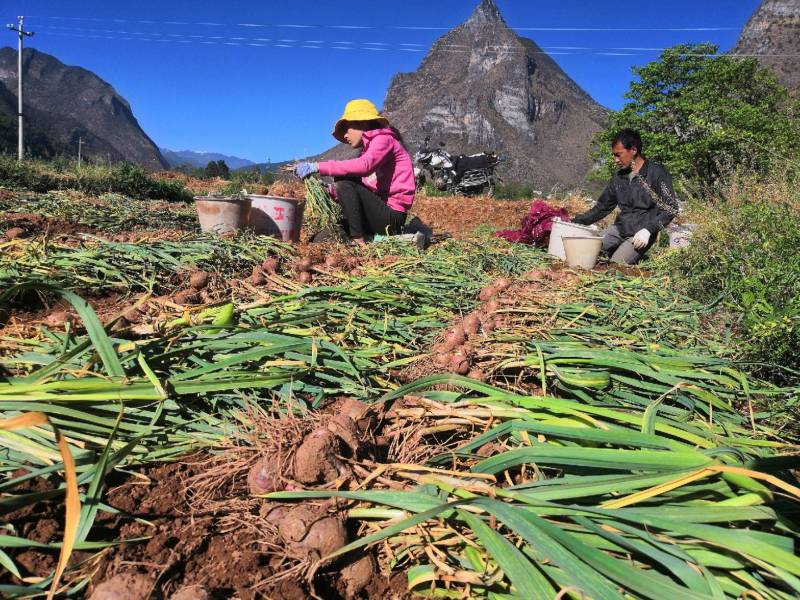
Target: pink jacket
x=385 y=157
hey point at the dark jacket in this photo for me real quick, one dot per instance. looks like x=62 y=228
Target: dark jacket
x=637 y=208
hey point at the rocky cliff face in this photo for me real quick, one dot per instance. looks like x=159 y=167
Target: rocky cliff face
x=482 y=87
x=773 y=32
x=63 y=103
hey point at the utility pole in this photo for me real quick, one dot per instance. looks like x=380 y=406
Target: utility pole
x=80 y=143
x=22 y=33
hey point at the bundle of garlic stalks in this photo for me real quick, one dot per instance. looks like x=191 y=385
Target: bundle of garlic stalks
x=322 y=213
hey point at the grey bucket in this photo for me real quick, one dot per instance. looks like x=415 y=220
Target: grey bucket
x=222 y=214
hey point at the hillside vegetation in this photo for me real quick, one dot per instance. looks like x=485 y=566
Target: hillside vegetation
x=744 y=256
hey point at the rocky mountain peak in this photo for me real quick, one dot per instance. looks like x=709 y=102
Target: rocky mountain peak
x=481 y=87
x=773 y=34
x=485 y=12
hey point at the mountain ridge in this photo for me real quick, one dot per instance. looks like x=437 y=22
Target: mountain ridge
x=198 y=158
x=66 y=103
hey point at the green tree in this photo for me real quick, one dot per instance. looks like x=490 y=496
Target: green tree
x=211 y=170
x=223 y=171
x=217 y=169
x=701 y=114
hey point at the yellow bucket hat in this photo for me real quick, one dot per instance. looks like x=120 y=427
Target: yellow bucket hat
x=357 y=110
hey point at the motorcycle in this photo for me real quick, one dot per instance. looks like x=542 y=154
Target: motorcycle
x=466 y=175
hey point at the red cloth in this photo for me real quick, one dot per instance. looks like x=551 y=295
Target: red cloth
x=536 y=225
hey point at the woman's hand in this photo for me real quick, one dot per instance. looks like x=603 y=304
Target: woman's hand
x=304 y=169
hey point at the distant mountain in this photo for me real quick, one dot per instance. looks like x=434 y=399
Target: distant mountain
x=482 y=87
x=64 y=104
x=275 y=167
x=773 y=33
x=176 y=158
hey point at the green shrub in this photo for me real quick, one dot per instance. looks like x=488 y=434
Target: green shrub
x=513 y=191
x=122 y=178
x=244 y=179
x=432 y=191
x=747 y=251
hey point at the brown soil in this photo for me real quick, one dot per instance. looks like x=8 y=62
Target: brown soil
x=460 y=216
x=22 y=321
x=185 y=548
x=230 y=552
x=40 y=522
x=34 y=225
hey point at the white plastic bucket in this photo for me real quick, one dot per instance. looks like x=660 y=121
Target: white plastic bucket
x=276 y=216
x=562 y=229
x=582 y=252
x=222 y=214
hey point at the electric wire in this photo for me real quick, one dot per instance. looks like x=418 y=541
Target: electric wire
x=347 y=45
x=375 y=27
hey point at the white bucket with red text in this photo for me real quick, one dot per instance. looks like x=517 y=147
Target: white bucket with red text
x=276 y=216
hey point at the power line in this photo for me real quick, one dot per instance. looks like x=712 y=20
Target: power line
x=378 y=27
x=347 y=45
x=196 y=36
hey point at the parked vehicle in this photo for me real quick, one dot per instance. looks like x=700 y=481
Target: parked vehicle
x=467 y=175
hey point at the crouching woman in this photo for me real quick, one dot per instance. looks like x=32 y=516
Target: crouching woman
x=376 y=189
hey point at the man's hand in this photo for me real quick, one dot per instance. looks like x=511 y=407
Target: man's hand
x=304 y=169
x=641 y=239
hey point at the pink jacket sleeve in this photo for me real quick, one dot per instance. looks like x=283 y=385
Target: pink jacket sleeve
x=378 y=150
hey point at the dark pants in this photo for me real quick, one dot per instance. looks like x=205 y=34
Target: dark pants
x=620 y=250
x=365 y=212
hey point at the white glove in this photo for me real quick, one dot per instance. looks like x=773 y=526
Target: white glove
x=641 y=239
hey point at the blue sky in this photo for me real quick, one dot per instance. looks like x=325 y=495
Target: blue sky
x=268 y=79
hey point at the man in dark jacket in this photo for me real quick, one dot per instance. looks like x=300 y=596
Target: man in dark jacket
x=643 y=192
